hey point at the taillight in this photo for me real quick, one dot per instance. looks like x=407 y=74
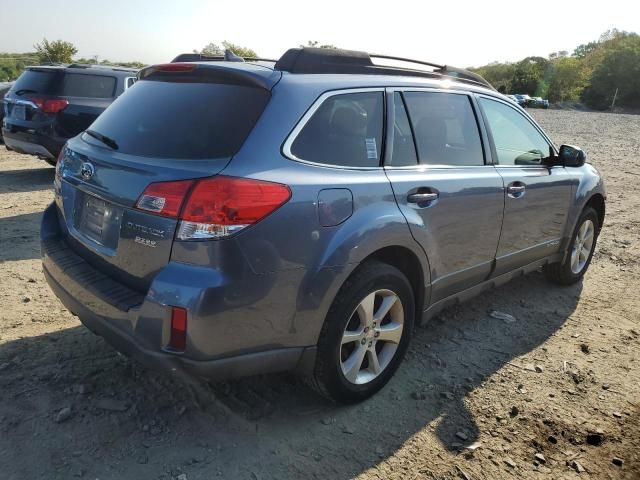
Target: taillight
x=164 y=198
x=178 y=335
x=50 y=105
x=216 y=207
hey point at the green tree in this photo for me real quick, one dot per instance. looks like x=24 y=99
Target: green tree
x=213 y=49
x=57 y=51
x=568 y=80
x=500 y=75
x=529 y=75
x=585 y=49
x=316 y=44
x=12 y=65
x=619 y=68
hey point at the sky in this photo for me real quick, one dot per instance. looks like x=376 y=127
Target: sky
x=454 y=32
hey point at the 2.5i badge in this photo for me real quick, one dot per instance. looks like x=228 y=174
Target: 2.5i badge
x=146 y=242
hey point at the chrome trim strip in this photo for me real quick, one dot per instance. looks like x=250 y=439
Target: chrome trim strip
x=21 y=102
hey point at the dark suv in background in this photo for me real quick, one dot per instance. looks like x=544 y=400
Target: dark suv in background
x=47 y=105
x=4 y=88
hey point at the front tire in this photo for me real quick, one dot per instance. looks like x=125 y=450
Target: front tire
x=581 y=248
x=365 y=335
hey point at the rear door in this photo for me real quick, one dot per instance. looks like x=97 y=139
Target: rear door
x=451 y=198
x=163 y=130
x=537 y=196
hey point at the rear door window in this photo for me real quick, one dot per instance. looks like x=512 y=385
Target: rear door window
x=445 y=128
x=182 y=120
x=346 y=130
x=91 y=86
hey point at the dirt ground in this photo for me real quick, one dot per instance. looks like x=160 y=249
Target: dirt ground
x=555 y=394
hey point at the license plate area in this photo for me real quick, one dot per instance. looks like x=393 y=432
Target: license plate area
x=97 y=220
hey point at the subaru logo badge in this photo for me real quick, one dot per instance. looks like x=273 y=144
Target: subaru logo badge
x=87 y=170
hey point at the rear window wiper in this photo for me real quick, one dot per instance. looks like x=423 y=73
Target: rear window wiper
x=22 y=91
x=108 y=141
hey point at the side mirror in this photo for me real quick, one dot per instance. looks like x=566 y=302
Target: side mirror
x=571 y=156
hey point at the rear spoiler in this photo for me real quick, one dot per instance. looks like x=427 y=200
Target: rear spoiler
x=184 y=72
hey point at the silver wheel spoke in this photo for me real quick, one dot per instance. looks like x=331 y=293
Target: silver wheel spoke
x=583 y=229
x=351 y=367
x=387 y=303
x=365 y=309
x=574 y=259
x=588 y=236
x=374 y=363
x=391 y=333
x=350 y=336
x=585 y=253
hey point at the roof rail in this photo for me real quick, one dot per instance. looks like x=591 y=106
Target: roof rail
x=200 y=57
x=324 y=60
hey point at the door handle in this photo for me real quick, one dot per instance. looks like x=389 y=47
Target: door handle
x=516 y=189
x=421 y=197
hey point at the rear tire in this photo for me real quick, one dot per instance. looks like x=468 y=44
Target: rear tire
x=580 y=252
x=365 y=335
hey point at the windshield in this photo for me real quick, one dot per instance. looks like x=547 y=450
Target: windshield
x=182 y=120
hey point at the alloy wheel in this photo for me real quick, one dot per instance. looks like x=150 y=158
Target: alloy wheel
x=371 y=337
x=582 y=245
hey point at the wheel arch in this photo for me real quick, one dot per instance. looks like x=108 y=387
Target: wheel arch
x=409 y=264
x=596 y=201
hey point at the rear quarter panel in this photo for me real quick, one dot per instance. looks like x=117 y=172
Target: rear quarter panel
x=292 y=237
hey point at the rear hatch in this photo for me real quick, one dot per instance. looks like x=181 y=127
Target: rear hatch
x=170 y=126
x=65 y=100
x=25 y=100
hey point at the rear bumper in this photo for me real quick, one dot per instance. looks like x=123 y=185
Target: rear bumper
x=32 y=143
x=136 y=324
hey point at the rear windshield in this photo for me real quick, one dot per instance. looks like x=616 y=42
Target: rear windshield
x=182 y=120
x=59 y=82
x=37 y=81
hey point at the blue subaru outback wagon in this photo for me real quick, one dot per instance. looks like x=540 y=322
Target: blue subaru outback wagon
x=231 y=218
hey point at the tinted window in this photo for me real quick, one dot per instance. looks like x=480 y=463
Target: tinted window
x=182 y=120
x=404 y=150
x=516 y=140
x=37 y=81
x=346 y=130
x=93 y=86
x=445 y=128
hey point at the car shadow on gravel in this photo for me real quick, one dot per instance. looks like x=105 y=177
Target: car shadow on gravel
x=128 y=422
x=20 y=237
x=27 y=180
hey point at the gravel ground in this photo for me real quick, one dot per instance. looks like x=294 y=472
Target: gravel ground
x=555 y=394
